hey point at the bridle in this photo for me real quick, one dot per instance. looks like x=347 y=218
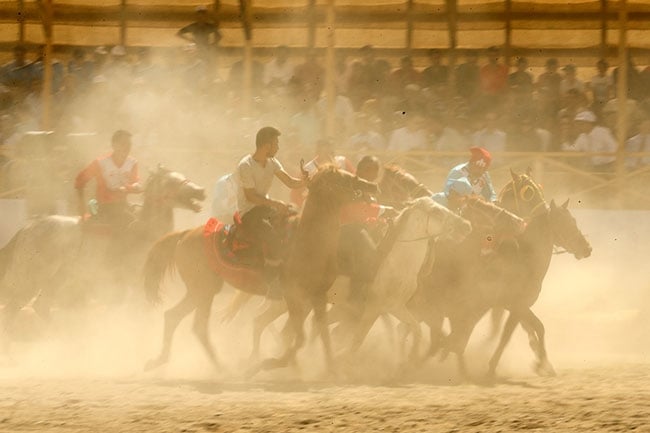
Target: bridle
x=526 y=194
x=397 y=182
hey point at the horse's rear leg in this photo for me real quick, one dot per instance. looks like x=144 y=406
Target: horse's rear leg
x=536 y=337
x=434 y=322
x=404 y=315
x=506 y=334
x=201 y=319
x=173 y=317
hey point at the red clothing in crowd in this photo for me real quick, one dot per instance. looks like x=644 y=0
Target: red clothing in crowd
x=494 y=79
x=109 y=178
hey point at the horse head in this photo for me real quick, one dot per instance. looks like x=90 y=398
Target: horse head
x=398 y=187
x=566 y=233
x=337 y=187
x=173 y=189
x=423 y=218
x=522 y=195
x=492 y=218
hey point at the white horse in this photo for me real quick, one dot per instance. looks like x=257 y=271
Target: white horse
x=403 y=258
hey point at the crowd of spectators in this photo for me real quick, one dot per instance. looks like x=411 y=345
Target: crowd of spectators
x=180 y=99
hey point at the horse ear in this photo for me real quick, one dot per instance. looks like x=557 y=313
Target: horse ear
x=553 y=205
x=529 y=171
x=565 y=205
x=515 y=176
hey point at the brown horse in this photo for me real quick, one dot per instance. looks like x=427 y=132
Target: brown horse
x=512 y=277
x=307 y=273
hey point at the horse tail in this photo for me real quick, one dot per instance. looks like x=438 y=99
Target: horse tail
x=7 y=254
x=160 y=261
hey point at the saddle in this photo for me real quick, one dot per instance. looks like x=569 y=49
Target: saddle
x=235 y=256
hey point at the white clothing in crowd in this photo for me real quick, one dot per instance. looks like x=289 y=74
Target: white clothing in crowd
x=494 y=140
x=274 y=72
x=600 y=139
x=638 y=143
x=403 y=139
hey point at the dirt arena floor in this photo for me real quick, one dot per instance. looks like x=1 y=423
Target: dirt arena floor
x=603 y=399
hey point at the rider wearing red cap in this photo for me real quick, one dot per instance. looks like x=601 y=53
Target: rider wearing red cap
x=475 y=170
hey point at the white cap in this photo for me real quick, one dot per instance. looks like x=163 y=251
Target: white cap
x=586 y=116
x=101 y=50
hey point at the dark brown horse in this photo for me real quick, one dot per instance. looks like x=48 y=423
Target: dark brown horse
x=512 y=277
x=307 y=273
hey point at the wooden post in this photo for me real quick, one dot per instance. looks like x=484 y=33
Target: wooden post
x=452 y=25
x=45 y=7
x=245 y=8
x=603 y=29
x=621 y=92
x=21 y=22
x=621 y=97
x=507 y=47
x=123 y=23
x=330 y=70
x=409 y=26
x=311 y=14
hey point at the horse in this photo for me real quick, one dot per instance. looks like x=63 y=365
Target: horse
x=512 y=277
x=50 y=252
x=455 y=261
x=396 y=188
x=402 y=255
x=306 y=274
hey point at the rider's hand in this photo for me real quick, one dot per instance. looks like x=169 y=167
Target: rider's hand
x=388 y=212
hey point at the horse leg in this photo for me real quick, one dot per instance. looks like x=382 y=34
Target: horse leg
x=319 y=303
x=201 y=319
x=506 y=334
x=404 y=315
x=9 y=312
x=273 y=310
x=534 y=327
x=434 y=322
x=173 y=317
x=496 y=319
x=298 y=311
x=238 y=300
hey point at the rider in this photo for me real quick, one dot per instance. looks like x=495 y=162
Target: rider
x=475 y=171
x=116 y=175
x=254 y=176
x=454 y=200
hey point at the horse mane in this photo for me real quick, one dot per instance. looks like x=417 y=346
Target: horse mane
x=388 y=241
x=406 y=180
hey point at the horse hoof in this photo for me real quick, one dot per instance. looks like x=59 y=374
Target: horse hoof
x=152 y=364
x=545 y=369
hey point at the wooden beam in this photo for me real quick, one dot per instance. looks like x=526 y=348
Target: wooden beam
x=247 y=79
x=409 y=24
x=451 y=11
x=621 y=89
x=508 y=33
x=20 y=17
x=330 y=70
x=45 y=7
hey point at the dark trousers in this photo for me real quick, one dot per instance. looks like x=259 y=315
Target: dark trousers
x=257 y=223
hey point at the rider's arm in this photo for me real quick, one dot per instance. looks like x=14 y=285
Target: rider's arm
x=290 y=181
x=134 y=181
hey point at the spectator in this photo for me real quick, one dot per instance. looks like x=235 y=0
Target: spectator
x=490 y=137
x=403 y=76
x=639 y=143
x=279 y=70
x=494 y=75
x=204 y=32
x=595 y=138
x=18 y=73
x=600 y=86
x=521 y=81
x=81 y=68
x=310 y=72
x=634 y=90
x=468 y=77
x=413 y=136
x=548 y=90
x=570 y=81
x=436 y=73
x=366 y=137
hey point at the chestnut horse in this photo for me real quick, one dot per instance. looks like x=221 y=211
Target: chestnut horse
x=306 y=275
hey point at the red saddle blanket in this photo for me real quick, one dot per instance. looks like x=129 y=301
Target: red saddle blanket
x=228 y=263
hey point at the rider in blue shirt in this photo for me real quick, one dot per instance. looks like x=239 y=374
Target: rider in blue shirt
x=475 y=171
x=453 y=200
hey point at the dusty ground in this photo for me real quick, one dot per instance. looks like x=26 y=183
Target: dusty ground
x=600 y=399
